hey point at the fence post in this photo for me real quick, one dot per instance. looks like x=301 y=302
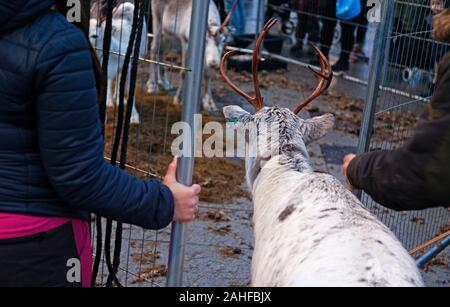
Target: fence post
x=377 y=69
x=191 y=106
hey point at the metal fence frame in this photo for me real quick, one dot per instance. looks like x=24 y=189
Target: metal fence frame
x=412 y=228
x=191 y=106
x=192 y=84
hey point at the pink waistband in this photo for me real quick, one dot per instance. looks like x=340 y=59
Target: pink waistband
x=17 y=225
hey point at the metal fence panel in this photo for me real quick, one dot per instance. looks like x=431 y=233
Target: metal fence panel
x=143 y=254
x=409 y=66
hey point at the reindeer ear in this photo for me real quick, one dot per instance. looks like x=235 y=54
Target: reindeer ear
x=315 y=128
x=124 y=11
x=98 y=11
x=94 y=9
x=234 y=112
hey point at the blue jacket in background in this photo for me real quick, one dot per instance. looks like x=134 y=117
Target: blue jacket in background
x=51 y=147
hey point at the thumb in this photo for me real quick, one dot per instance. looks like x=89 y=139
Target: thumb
x=171 y=174
x=196 y=189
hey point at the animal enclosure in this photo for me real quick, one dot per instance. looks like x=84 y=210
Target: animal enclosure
x=217 y=247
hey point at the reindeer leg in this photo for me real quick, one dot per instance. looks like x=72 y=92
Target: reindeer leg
x=209 y=104
x=113 y=73
x=110 y=102
x=135 y=118
x=157 y=13
x=184 y=47
x=163 y=80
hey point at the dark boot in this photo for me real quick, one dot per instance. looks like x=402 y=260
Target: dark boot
x=341 y=67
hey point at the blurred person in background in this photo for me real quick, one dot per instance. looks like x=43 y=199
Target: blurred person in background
x=358 y=53
x=239 y=18
x=222 y=10
x=327 y=12
x=308 y=24
x=281 y=8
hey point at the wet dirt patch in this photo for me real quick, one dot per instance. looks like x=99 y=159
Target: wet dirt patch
x=146 y=258
x=149 y=149
x=230 y=252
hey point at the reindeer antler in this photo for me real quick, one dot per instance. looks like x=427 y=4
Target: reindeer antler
x=226 y=21
x=257 y=101
x=324 y=79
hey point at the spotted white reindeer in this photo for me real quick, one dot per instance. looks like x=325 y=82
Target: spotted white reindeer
x=122 y=23
x=172 y=19
x=309 y=229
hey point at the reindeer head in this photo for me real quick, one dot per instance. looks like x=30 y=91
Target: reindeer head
x=122 y=20
x=217 y=35
x=278 y=131
x=98 y=15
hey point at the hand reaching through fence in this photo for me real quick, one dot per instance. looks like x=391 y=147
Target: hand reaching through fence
x=416 y=175
x=186 y=198
x=347 y=160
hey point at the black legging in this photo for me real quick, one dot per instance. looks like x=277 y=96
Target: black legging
x=308 y=23
x=329 y=20
x=362 y=22
x=327 y=10
x=39 y=260
x=221 y=6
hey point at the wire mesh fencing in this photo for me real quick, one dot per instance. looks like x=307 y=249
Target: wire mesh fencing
x=406 y=83
x=409 y=66
x=217 y=248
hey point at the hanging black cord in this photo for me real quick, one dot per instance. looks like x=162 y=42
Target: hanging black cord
x=105 y=59
x=105 y=62
x=132 y=89
x=130 y=103
x=114 y=153
x=138 y=12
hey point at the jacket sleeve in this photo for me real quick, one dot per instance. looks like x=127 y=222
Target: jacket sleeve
x=399 y=179
x=71 y=144
x=440 y=101
x=381 y=175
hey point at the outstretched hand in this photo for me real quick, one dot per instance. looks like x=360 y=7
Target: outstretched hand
x=347 y=160
x=186 y=198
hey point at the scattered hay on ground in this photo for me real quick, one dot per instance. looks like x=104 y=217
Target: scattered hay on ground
x=230 y=252
x=159 y=270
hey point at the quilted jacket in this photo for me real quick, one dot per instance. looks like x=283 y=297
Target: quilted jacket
x=51 y=147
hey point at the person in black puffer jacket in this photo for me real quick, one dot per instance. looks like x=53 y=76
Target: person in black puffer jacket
x=415 y=176
x=51 y=151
